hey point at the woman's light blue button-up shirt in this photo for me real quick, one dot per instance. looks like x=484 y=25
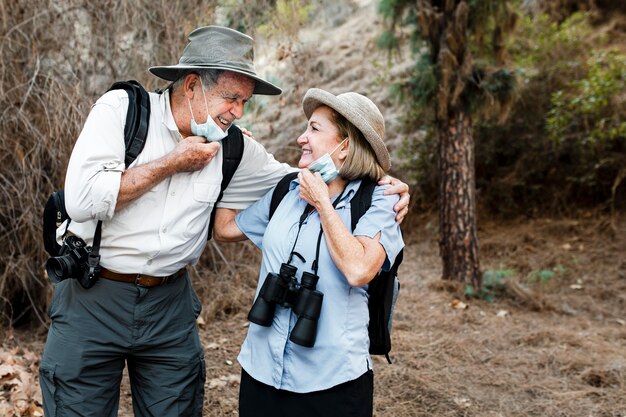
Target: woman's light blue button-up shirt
x=341 y=351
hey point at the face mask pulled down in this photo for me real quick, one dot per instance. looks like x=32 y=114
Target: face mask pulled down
x=325 y=165
x=209 y=129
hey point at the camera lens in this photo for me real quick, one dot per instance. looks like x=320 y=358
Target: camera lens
x=60 y=268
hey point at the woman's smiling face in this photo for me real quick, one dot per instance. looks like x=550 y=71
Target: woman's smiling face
x=321 y=136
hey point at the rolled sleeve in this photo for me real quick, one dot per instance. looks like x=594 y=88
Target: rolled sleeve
x=257 y=173
x=382 y=218
x=95 y=168
x=254 y=220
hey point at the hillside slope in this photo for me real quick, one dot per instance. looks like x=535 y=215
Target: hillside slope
x=335 y=51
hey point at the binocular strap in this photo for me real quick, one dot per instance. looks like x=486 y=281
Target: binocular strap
x=308 y=209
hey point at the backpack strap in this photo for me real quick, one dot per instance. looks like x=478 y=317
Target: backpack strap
x=137 y=118
x=359 y=205
x=362 y=201
x=394 y=285
x=232 y=152
x=383 y=289
x=135 y=134
x=282 y=188
x=54 y=214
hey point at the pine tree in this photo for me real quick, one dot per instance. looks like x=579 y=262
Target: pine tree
x=460 y=70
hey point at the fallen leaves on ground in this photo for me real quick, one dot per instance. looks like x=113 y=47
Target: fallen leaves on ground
x=20 y=395
x=458 y=304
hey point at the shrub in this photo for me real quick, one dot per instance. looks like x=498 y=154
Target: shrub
x=56 y=59
x=520 y=168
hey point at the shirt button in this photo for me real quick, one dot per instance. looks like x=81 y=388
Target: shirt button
x=149 y=262
x=173 y=193
x=165 y=230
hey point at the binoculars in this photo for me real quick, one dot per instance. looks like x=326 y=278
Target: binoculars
x=283 y=289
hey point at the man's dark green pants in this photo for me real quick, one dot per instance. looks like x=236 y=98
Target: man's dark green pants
x=95 y=332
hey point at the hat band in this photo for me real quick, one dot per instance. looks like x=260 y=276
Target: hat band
x=201 y=62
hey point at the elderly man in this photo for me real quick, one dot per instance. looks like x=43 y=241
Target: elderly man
x=155 y=214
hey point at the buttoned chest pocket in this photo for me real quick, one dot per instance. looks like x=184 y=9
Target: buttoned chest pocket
x=204 y=192
x=204 y=196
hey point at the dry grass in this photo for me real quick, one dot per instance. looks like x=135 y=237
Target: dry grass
x=558 y=350
x=504 y=358
x=55 y=59
x=474 y=362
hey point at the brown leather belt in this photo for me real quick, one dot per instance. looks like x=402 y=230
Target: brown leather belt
x=140 y=279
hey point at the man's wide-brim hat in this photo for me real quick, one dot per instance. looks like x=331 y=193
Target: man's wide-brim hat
x=217 y=47
x=358 y=110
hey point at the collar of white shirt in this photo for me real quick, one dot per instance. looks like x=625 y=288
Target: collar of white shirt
x=166 y=111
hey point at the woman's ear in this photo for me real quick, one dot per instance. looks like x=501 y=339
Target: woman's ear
x=343 y=152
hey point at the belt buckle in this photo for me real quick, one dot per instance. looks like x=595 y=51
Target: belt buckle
x=137 y=283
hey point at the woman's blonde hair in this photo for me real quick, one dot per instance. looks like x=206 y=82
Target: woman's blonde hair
x=361 y=160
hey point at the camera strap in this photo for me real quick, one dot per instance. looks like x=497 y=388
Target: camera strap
x=93 y=262
x=95 y=247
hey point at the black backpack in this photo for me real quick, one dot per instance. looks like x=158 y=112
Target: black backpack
x=383 y=289
x=135 y=133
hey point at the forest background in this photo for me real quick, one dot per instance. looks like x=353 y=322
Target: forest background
x=546 y=333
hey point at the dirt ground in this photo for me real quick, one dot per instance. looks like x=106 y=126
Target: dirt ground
x=551 y=343
x=551 y=347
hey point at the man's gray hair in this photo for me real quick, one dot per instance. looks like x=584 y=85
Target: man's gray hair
x=209 y=78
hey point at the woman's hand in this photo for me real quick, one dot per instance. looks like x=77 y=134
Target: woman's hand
x=313 y=189
x=246 y=132
x=398 y=187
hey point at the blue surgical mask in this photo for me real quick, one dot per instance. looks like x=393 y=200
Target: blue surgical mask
x=325 y=165
x=209 y=129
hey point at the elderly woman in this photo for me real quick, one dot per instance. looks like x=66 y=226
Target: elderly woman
x=330 y=372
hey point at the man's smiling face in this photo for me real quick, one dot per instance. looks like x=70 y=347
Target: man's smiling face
x=225 y=101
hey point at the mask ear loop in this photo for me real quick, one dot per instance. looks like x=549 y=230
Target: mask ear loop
x=191 y=110
x=206 y=106
x=339 y=169
x=338 y=146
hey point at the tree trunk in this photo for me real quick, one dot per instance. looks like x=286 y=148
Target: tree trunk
x=457 y=193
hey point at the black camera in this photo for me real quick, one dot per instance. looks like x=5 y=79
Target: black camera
x=303 y=299
x=74 y=261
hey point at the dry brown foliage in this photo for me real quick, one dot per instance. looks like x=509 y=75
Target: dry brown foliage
x=555 y=349
x=504 y=358
x=20 y=395
x=56 y=58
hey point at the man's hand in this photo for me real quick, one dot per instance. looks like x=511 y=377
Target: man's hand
x=398 y=187
x=192 y=154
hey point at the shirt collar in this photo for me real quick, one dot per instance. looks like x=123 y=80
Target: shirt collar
x=166 y=108
x=348 y=193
